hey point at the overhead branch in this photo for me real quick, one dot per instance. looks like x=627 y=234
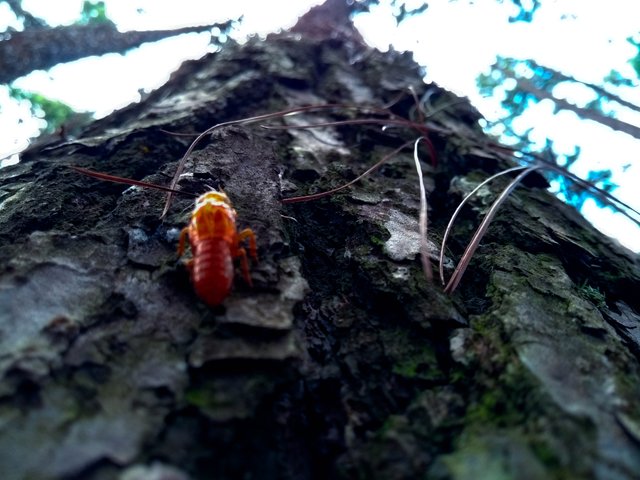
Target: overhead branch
x=24 y=52
x=561 y=77
x=585 y=113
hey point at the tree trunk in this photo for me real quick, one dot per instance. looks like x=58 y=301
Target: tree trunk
x=341 y=361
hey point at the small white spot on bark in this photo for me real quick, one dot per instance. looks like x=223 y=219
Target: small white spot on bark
x=404 y=242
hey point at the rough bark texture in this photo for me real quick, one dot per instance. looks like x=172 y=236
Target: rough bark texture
x=342 y=361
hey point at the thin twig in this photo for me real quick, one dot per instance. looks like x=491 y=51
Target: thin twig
x=603 y=194
x=358 y=121
x=475 y=241
x=418 y=105
x=378 y=164
x=127 y=181
x=459 y=208
x=547 y=164
x=424 y=243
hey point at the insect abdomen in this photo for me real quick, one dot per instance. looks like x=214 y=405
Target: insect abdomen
x=212 y=269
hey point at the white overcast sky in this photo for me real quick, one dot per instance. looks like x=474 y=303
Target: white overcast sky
x=455 y=40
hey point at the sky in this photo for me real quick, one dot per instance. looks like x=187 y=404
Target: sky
x=455 y=40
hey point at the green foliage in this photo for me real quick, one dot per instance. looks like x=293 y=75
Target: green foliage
x=93 y=12
x=400 y=9
x=523 y=83
x=403 y=12
x=526 y=10
x=54 y=112
x=615 y=78
x=421 y=364
x=599 y=178
x=635 y=61
x=594 y=295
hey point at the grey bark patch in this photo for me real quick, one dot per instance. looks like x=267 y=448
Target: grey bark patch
x=550 y=328
x=154 y=471
x=209 y=349
x=271 y=311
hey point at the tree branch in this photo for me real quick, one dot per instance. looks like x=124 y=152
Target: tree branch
x=561 y=77
x=40 y=49
x=585 y=113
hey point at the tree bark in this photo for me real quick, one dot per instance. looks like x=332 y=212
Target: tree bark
x=342 y=361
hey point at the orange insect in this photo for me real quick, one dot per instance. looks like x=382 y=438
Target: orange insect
x=215 y=242
x=213 y=237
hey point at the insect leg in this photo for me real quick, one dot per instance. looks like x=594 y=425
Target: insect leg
x=244 y=264
x=183 y=236
x=247 y=233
